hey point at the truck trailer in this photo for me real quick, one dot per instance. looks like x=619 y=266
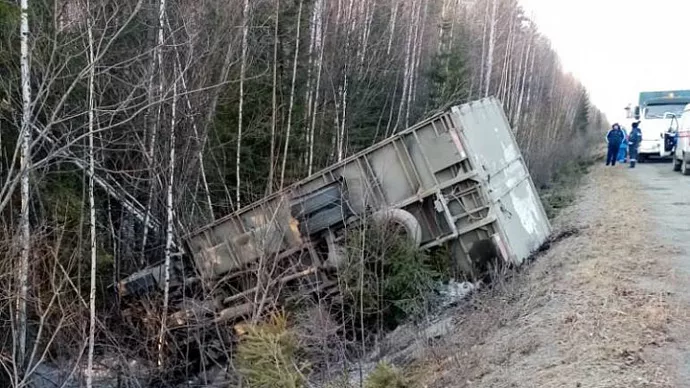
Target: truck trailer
x=456 y=180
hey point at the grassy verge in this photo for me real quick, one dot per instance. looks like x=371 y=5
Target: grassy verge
x=562 y=190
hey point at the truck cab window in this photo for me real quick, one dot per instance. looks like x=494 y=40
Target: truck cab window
x=663 y=111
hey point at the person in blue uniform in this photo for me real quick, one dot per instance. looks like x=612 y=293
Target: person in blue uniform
x=634 y=141
x=614 y=138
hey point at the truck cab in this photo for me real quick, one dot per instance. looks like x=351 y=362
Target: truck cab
x=681 y=155
x=658 y=114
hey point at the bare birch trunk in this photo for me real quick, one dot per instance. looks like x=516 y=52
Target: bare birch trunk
x=309 y=92
x=25 y=165
x=516 y=80
x=343 y=89
x=292 y=96
x=391 y=23
x=274 y=103
x=341 y=135
x=319 y=67
x=482 y=66
x=418 y=50
x=454 y=20
x=492 y=46
x=442 y=25
x=366 y=32
x=413 y=61
x=523 y=85
x=169 y=240
x=503 y=85
x=406 y=72
x=92 y=205
x=243 y=70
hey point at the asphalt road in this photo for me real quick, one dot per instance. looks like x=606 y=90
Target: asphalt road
x=668 y=208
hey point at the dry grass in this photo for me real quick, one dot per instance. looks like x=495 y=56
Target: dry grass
x=594 y=311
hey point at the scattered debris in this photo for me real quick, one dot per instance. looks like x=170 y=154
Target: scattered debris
x=455 y=292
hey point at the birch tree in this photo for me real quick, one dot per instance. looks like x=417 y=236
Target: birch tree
x=243 y=69
x=292 y=96
x=491 y=47
x=25 y=166
x=274 y=102
x=92 y=200
x=319 y=36
x=169 y=233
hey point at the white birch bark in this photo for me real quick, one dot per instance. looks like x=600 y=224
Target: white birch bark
x=92 y=204
x=491 y=48
x=415 y=21
x=418 y=50
x=523 y=85
x=292 y=96
x=243 y=70
x=391 y=24
x=169 y=238
x=25 y=165
x=319 y=67
x=442 y=25
x=341 y=133
x=482 y=66
x=406 y=72
x=343 y=89
x=274 y=103
x=309 y=93
x=367 y=9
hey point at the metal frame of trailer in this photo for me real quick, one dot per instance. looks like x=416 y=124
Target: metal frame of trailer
x=456 y=178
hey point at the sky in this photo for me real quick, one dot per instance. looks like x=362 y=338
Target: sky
x=618 y=48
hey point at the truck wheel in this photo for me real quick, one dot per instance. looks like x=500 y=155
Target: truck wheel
x=403 y=218
x=684 y=168
x=677 y=164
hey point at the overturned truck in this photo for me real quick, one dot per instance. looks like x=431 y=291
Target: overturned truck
x=456 y=179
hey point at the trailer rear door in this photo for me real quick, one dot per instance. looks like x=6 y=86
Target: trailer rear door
x=496 y=155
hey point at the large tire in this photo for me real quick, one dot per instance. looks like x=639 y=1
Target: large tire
x=684 y=167
x=676 y=164
x=403 y=218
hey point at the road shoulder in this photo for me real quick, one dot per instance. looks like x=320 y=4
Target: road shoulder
x=600 y=308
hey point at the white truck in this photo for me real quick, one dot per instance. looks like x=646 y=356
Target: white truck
x=681 y=156
x=658 y=113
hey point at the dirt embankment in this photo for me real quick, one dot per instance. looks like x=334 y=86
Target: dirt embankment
x=597 y=310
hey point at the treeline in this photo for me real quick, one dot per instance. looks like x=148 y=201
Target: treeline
x=124 y=124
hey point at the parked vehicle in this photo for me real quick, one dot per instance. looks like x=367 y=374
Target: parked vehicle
x=457 y=179
x=658 y=113
x=681 y=156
